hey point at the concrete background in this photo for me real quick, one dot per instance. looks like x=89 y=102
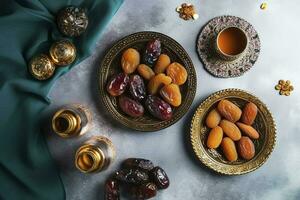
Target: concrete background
x=278 y=178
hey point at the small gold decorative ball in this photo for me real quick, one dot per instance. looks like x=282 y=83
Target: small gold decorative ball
x=62 y=52
x=41 y=67
x=72 y=21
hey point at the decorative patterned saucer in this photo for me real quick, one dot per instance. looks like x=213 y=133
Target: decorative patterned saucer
x=217 y=66
x=214 y=159
x=111 y=65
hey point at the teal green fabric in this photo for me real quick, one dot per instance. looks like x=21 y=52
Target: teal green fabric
x=27 y=27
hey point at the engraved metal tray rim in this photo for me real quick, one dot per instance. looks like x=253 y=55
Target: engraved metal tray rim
x=228 y=168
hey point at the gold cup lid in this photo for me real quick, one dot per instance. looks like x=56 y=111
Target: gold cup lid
x=41 y=67
x=63 y=52
x=72 y=21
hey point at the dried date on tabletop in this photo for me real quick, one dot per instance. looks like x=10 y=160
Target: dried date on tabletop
x=111 y=190
x=138 y=177
x=160 y=178
x=141 y=163
x=132 y=176
x=144 y=191
x=187 y=11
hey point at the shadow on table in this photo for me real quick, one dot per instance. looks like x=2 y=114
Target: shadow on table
x=61 y=151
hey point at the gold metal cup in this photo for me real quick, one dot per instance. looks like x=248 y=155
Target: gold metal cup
x=66 y=123
x=71 y=121
x=95 y=155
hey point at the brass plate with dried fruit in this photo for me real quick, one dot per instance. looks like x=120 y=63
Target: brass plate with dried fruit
x=213 y=158
x=111 y=64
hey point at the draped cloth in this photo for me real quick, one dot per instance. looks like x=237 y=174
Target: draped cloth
x=27 y=28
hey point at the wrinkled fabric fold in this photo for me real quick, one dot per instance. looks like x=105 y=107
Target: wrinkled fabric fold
x=27 y=28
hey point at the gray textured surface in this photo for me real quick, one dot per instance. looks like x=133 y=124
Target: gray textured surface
x=278 y=178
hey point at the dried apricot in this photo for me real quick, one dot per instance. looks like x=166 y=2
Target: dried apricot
x=157 y=82
x=162 y=63
x=130 y=60
x=171 y=94
x=213 y=119
x=177 y=72
x=145 y=71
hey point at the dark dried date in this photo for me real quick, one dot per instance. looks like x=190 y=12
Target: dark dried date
x=137 y=87
x=112 y=190
x=131 y=107
x=145 y=191
x=153 y=50
x=158 y=108
x=117 y=84
x=141 y=163
x=132 y=176
x=160 y=178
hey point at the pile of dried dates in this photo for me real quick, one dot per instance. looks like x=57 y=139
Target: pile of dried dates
x=154 y=70
x=140 y=179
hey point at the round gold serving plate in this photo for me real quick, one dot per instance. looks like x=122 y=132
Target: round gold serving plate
x=111 y=65
x=213 y=158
